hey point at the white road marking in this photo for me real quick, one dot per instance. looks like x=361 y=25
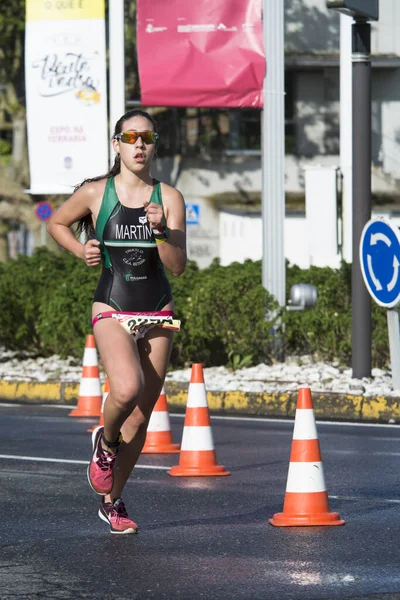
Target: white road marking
x=366 y=498
x=362 y=452
x=70 y=461
x=238 y=418
x=291 y=420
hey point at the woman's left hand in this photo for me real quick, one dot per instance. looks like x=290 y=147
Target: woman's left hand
x=154 y=213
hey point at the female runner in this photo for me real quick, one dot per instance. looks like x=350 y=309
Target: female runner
x=137 y=227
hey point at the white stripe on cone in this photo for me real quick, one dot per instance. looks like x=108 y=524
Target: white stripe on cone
x=305 y=477
x=90 y=357
x=197 y=438
x=90 y=386
x=159 y=421
x=304 y=425
x=197 y=395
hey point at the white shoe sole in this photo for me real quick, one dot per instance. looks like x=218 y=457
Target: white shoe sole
x=126 y=531
x=94 y=432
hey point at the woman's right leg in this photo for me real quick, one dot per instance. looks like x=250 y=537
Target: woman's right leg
x=154 y=350
x=121 y=361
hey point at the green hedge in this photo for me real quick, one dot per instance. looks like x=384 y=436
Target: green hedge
x=226 y=314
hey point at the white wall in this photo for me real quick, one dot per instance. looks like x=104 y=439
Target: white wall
x=385 y=37
x=240 y=238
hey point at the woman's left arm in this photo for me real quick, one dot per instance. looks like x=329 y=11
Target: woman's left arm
x=172 y=250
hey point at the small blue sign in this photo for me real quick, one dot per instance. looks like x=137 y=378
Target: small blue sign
x=44 y=210
x=192 y=214
x=380 y=261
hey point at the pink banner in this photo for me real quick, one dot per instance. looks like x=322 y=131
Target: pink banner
x=200 y=53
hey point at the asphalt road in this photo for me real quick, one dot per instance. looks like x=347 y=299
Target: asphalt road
x=199 y=537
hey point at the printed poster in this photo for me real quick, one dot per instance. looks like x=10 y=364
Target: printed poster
x=66 y=94
x=205 y=53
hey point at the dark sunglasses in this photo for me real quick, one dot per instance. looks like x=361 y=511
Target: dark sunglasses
x=131 y=137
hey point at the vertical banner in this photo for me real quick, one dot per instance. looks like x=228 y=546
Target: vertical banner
x=207 y=53
x=66 y=94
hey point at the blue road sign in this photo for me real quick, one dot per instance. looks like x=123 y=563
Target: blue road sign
x=192 y=214
x=380 y=261
x=44 y=210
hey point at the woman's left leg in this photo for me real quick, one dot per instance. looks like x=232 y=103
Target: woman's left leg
x=154 y=351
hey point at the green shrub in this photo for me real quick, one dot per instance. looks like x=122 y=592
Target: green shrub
x=5 y=147
x=223 y=316
x=325 y=331
x=66 y=319
x=225 y=312
x=26 y=284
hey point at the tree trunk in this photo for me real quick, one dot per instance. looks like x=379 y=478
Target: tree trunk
x=4 y=229
x=18 y=170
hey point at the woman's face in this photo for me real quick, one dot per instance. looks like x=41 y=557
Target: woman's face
x=136 y=156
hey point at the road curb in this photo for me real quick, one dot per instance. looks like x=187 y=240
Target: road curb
x=327 y=405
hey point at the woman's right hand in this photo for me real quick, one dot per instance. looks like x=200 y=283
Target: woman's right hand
x=91 y=253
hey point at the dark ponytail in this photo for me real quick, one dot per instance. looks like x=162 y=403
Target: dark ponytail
x=85 y=224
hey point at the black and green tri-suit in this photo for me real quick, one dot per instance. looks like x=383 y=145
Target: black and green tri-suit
x=133 y=277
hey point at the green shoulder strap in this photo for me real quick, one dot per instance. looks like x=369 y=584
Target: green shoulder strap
x=156 y=197
x=109 y=202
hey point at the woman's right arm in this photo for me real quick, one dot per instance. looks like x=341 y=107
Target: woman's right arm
x=77 y=206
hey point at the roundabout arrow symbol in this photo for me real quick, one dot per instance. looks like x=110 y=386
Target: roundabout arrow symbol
x=380 y=237
x=375 y=280
x=395 y=277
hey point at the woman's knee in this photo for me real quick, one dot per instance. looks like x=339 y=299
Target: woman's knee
x=124 y=394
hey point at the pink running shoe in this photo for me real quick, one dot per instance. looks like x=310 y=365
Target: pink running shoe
x=115 y=514
x=100 y=469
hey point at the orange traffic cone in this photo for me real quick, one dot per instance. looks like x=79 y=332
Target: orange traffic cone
x=306 y=498
x=159 y=435
x=105 y=394
x=197 y=456
x=90 y=397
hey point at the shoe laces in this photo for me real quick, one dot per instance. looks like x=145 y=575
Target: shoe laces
x=106 y=460
x=118 y=510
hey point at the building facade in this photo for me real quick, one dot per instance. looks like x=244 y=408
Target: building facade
x=216 y=158
x=213 y=156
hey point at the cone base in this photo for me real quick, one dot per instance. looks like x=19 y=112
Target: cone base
x=80 y=413
x=305 y=520
x=161 y=449
x=211 y=471
x=88 y=406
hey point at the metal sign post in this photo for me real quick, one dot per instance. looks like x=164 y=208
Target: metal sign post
x=361 y=313
x=43 y=211
x=362 y=11
x=394 y=345
x=380 y=261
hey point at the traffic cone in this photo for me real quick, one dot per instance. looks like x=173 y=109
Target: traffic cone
x=159 y=434
x=197 y=456
x=306 y=499
x=105 y=394
x=90 y=397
